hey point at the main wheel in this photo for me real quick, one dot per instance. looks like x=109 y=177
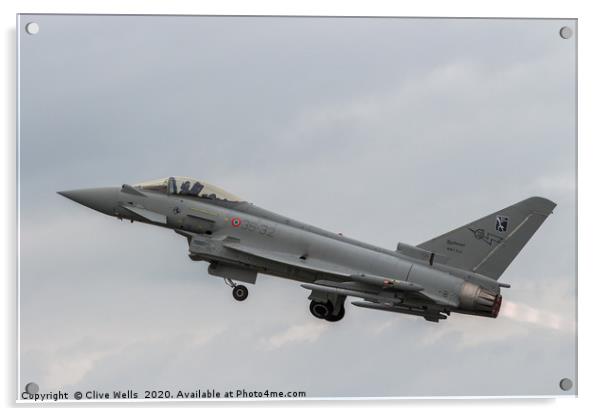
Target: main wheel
x=240 y=292
x=335 y=318
x=320 y=309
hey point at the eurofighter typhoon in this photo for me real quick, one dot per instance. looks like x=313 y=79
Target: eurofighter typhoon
x=457 y=272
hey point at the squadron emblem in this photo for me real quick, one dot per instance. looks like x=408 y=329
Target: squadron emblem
x=486 y=237
x=501 y=224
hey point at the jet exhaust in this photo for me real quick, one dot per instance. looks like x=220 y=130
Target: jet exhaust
x=477 y=300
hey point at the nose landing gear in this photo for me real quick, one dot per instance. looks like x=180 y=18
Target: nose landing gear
x=239 y=292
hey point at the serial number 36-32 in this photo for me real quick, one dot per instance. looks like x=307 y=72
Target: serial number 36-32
x=258 y=227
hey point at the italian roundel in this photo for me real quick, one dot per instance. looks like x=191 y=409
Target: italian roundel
x=235 y=222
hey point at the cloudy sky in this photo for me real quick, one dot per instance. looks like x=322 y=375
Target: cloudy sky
x=384 y=129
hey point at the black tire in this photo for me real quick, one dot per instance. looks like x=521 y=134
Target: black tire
x=335 y=318
x=320 y=309
x=240 y=292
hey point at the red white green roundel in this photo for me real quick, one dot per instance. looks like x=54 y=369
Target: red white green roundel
x=235 y=222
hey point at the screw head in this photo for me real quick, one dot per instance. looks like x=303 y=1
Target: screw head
x=32 y=388
x=566 y=384
x=32 y=28
x=566 y=32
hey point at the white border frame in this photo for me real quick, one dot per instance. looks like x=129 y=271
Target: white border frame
x=589 y=147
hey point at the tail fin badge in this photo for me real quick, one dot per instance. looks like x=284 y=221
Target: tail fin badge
x=486 y=237
x=501 y=224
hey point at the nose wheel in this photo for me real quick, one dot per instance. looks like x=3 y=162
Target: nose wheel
x=239 y=292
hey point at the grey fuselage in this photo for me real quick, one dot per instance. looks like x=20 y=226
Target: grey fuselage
x=457 y=271
x=208 y=222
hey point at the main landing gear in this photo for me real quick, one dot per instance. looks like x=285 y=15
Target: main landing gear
x=239 y=292
x=324 y=310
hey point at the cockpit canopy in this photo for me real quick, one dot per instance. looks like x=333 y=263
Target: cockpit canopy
x=182 y=185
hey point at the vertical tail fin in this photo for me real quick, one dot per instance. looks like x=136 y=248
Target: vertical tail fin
x=488 y=245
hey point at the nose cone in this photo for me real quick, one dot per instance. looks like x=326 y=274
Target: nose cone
x=101 y=199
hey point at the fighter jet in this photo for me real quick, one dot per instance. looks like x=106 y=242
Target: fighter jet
x=457 y=272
